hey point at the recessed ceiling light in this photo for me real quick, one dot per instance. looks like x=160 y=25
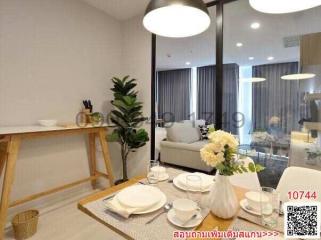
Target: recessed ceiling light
x=270 y=58
x=176 y=18
x=239 y=44
x=283 y=6
x=300 y=76
x=253 y=80
x=188 y=63
x=255 y=25
x=251 y=58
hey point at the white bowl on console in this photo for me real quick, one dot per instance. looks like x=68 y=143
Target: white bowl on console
x=48 y=123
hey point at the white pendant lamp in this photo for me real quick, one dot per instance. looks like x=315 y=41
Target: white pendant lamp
x=253 y=80
x=283 y=6
x=176 y=18
x=299 y=76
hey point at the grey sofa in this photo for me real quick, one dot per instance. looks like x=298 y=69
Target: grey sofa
x=183 y=144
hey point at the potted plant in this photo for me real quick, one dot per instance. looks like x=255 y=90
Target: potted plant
x=127 y=116
x=220 y=153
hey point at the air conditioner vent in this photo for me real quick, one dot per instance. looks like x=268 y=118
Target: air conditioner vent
x=292 y=41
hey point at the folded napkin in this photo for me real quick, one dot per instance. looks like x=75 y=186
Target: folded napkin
x=115 y=207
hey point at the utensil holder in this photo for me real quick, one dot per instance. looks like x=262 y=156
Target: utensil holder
x=25 y=224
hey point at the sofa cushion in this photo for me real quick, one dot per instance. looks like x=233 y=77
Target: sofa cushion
x=204 y=130
x=182 y=132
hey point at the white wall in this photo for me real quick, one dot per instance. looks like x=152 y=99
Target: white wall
x=136 y=60
x=53 y=54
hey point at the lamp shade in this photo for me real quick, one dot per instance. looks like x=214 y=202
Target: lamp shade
x=253 y=80
x=283 y=6
x=176 y=18
x=299 y=76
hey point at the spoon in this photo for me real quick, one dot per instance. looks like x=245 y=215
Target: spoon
x=166 y=208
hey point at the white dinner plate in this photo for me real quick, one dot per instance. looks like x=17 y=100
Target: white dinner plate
x=139 y=196
x=245 y=206
x=154 y=208
x=157 y=206
x=207 y=180
x=192 y=223
x=181 y=186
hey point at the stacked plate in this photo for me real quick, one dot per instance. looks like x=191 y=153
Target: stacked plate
x=181 y=183
x=139 y=199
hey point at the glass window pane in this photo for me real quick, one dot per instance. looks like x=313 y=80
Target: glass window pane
x=265 y=50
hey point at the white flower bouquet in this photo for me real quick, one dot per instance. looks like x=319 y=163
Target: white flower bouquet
x=220 y=153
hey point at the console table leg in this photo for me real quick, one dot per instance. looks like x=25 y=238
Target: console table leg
x=104 y=146
x=12 y=150
x=92 y=157
x=3 y=156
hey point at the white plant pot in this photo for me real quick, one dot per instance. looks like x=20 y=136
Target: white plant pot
x=223 y=200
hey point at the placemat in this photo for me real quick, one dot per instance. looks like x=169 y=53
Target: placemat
x=134 y=226
x=249 y=222
x=257 y=220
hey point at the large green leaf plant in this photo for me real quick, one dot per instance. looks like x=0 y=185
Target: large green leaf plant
x=128 y=117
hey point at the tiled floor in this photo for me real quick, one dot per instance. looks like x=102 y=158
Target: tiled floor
x=68 y=223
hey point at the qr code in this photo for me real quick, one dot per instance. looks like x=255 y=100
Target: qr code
x=302 y=220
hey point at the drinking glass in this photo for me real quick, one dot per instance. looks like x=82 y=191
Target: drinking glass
x=152 y=177
x=194 y=188
x=270 y=205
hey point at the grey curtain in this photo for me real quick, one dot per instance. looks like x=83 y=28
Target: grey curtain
x=174 y=94
x=276 y=97
x=230 y=96
x=206 y=85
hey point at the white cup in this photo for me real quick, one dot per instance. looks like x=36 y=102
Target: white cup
x=185 y=209
x=254 y=200
x=159 y=171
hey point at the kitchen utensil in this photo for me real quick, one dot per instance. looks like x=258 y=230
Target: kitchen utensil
x=166 y=208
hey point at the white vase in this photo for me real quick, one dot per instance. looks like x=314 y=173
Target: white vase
x=222 y=198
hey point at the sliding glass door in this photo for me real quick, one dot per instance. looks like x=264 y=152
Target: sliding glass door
x=185 y=81
x=265 y=102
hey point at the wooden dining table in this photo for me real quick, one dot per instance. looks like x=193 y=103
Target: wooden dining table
x=209 y=223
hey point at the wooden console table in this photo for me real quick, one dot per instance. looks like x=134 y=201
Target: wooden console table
x=10 y=139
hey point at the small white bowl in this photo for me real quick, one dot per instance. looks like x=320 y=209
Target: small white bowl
x=254 y=200
x=47 y=123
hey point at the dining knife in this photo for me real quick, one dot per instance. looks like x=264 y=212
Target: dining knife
x=109 y=197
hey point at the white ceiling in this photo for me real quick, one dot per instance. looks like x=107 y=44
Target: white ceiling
x=261 y=43
x=122 y=9
x=200 y=50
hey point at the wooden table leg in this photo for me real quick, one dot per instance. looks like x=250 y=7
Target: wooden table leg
x=92 y=157
x=104 y=146
x=3 y=156
x=12 y=150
